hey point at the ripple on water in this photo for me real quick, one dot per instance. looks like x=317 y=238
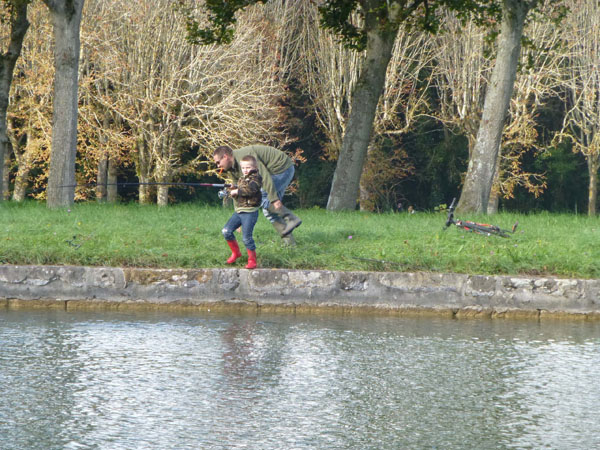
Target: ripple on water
x=124 y=381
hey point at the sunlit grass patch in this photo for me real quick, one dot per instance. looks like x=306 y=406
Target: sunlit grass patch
x=190 y=236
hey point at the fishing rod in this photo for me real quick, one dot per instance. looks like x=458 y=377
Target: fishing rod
x=128 y=184
x=173 y=184
x=223 y=193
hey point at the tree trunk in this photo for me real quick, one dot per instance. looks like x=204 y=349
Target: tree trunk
x=346 y=179
x=18 y=28
x=494 y=200
x=21 y=181
x=66 y=20
x=483 y=161
x=363 y=193
x=144 y=191
x=5 y=181
x=143 y=168
x=363 y=197
x=593 y=162
x=102 y=178
x=111 y=190
x=23 y=159
x=162 y=195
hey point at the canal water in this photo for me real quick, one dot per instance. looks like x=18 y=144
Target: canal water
x=108 y=380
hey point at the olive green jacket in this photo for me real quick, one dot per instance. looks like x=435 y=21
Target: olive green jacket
x=270 y=162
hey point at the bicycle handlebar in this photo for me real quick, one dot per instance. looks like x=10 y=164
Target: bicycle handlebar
x=450 y=219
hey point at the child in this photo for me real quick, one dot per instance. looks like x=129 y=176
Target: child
x=247 y=198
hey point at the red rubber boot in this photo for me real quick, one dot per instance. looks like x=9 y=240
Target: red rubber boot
x=235 y=251
x=251 y=259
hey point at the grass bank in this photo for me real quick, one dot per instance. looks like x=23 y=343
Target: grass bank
x=189 y=236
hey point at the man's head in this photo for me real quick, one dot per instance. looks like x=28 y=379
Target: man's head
x=223 y=157
x=247 y=164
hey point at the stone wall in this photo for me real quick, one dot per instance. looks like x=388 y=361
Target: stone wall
x=457 y=295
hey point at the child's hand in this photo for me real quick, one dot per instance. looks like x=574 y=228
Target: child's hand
x=233 y=192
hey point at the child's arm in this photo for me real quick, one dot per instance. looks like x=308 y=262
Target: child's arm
x=248 y=188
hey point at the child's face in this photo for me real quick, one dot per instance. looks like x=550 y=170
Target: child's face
x=247 y=166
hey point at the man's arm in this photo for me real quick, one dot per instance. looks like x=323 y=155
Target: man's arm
x=267 y=182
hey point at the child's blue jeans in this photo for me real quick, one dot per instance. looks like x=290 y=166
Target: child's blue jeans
x=246 y=220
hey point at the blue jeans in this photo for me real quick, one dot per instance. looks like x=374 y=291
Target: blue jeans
x=281 y=181
x=246 y=220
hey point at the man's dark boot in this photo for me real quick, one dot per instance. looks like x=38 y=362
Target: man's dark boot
x=288 y=239
x=291 y=220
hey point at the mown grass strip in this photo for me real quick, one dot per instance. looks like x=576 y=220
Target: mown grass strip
x=189 y=235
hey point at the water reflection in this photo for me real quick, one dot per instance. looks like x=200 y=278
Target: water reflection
x=124 y=381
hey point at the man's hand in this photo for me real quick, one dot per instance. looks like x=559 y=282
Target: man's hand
x=233 y=192
x=277 y=204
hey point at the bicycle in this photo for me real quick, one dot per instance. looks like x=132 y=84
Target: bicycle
x=475 y=227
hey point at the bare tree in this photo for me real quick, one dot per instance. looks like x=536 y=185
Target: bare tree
x=404 y=98
x=172 y=96
x=463 y=68
x=534 y=84
x=30 y=113
x=484 y=158
x=462 y=71
x=580 y=80
x=331 y=73
x=235 y=90
x=105 y=142
x=365 y=97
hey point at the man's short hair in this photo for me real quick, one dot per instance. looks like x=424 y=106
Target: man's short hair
x=250 y=159
x=222 y=151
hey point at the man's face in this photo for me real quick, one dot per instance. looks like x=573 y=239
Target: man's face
x=224 y=162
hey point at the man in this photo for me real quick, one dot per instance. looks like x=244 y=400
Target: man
x=277 y=170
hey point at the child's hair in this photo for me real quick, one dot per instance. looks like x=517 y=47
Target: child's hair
x=250 y=159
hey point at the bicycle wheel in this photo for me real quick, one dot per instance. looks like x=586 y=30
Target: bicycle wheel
x=481 y=228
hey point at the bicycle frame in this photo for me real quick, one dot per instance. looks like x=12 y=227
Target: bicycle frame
x=475 y=227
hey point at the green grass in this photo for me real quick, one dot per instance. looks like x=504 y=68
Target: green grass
x=189 y=236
